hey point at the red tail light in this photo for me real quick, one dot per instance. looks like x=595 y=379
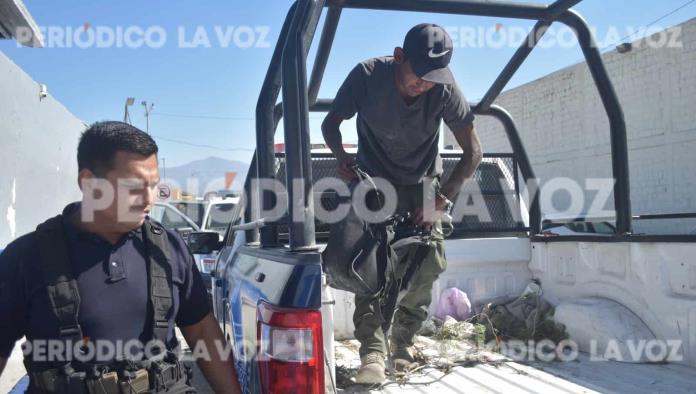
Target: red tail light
x=291 y=350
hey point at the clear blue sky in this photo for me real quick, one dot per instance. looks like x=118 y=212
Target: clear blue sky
x=224 y=83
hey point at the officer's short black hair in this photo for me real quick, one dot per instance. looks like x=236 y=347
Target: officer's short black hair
x=100 y=142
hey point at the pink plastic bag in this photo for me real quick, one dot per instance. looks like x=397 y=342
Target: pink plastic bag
x=453 y=302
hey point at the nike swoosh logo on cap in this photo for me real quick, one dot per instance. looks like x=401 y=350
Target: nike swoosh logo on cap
x=434 y=55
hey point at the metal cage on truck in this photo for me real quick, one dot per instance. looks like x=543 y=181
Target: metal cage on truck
x=300 y=96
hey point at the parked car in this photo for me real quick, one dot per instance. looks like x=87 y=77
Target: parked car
x=194 y=209
x=219 y=213
x=173 y=219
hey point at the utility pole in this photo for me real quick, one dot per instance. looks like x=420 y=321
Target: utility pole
x=164 y=168
x=148 y=111
x=126 y=115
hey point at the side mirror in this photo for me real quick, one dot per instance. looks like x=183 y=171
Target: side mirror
x=204 y=242
x=184 y=232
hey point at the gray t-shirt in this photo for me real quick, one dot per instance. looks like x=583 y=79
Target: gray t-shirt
x=396 y=141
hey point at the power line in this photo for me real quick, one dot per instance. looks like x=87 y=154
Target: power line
x=203 y=145
x=202 y=116
x=214 y=117
x=646 y=27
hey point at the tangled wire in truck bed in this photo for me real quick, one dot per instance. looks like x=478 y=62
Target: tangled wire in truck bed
x=528 y=317
x=441 y=355
x=444 y=345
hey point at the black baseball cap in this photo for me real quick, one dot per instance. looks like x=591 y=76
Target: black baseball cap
x=429 y=49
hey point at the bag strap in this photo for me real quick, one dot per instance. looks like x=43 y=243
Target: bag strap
x=58 y=276
x=157 y=249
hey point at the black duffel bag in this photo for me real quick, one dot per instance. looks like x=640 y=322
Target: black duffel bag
x=358 y=257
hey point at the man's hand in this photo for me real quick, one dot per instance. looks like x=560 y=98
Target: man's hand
x=468 y=140
x=427 y=215
x=218 y=370
x=345 y=166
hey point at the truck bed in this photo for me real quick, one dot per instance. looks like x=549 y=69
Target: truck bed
x=580 y=376
x=490 y=268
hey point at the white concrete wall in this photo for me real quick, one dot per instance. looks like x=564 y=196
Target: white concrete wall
x=566 y=131
x=38 y=154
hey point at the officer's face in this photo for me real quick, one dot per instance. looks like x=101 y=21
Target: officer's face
x=133 y=179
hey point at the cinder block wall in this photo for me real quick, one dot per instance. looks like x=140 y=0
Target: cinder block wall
x=566 y=131
x=38 y=150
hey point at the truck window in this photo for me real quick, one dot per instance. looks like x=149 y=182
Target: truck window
x=220 y=216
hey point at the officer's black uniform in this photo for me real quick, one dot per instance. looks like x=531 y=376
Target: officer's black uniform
x=111 y=287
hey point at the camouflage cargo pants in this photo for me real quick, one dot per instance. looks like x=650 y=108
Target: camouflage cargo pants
x=412 y=308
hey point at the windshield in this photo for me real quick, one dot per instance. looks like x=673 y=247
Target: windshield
x=220 y=216
x=195 y=210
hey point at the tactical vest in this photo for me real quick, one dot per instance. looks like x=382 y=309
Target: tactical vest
x=163 y=374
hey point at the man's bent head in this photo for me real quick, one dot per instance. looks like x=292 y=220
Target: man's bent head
x=424 y=59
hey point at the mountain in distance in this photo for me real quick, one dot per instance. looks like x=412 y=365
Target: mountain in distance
x=201 y=176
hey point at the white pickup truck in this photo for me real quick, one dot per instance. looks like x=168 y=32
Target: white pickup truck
x=628 y=302
x=628 y=306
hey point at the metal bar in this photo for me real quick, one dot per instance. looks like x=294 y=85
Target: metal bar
x=619 y=144
x=499 y=9
x=559 y=7
x=444 y=156
x=325 y=43
x=516 y=175
x=265 y=131
x=675 y=238
x=517 y=146
x=249 y=226
x=491 y=230
x=296 y=126
x=252 y=236
x=321 y=105
x=666 y=216
x=657 y=216
x=311 y=28
x=514 y=64
x=277 y=116
x=525 y=165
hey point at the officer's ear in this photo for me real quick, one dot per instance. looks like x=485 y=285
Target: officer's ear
x=399 y=55
x=85 y=174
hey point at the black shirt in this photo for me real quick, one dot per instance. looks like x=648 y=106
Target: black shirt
x=113 y=284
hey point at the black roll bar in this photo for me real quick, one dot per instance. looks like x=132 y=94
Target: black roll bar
x=514 y=64
x=523 y=161
x=266 y=114
x=296 y=36
x=298 y=162
x=617 y=124
x=500 y=9
x=325 y=44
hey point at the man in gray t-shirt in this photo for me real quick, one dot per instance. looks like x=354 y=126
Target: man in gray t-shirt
x=400 y=102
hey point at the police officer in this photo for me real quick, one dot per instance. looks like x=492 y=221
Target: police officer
x=98 y=290
x=400 y=102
